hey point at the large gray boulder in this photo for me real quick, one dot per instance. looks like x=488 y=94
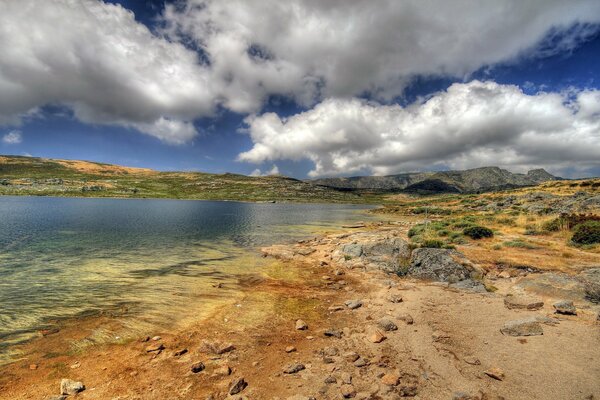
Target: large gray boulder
x=388 y=253
x=442 y=265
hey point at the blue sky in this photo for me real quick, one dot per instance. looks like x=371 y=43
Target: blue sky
x=223 y=134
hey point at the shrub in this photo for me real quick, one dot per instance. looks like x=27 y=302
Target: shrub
x=520 y=244
x=568 y=221
x=587 y=233
x=478 y=232
x=432 y=243
x=416 y=230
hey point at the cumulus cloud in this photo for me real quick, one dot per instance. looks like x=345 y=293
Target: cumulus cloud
x=95 y=58
x=273 y=171
x=12 y=137
x=468 y=125
x=339 y=48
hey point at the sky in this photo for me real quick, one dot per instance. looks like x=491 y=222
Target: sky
x=304 y=88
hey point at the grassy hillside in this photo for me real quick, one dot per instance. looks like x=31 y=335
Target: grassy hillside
x=50 y=177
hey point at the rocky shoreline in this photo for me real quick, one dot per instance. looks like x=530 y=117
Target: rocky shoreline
x=370 y=318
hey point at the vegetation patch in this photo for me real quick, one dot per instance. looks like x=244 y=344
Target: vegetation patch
x=587 y=233
x=478 y=232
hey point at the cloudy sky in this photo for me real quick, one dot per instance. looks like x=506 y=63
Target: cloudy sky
x=306 y=88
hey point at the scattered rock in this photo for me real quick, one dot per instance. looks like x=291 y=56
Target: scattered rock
x=68 y=387
x=353 y=304
x=346 y=378
x=179 y=353
x=336 y=308
x=391 y=379
x=407 y=318
x=469 y=285
x=495 y=373
x=301 y=325
x=330 y=351
x=462 y=396
x=395 y=298
x=361 y=362
x=198 y=367
x=290 y=349
x=237 y=385
x=522 y=327
x=519 y=302
x=223 y=370
x=333 y=333
x=330 y=379
x=216 y=347
x=157 y=347
x=351 y=356
x=376 y=336
x=472 y=360
x=565 y=307
x=33 y=366
x=156 y=338
x=58 y=397
x=348 y=391
x=293 y=368
x=387 y=325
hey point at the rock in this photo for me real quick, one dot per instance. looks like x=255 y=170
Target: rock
x=348 y=391
x=330 y=379
x=376 y=336
x=442 y=265
x=198 y=367
x=472 y=360
x=353 y=304
x=353 y=250
x=59 y=397
x=351 y=356
x=522 y=327
x=68 y=387
x=346 y=378
x=361 y=362
x=333 y=333
x=462 y=396
x=520 y=302
x=395 y=298
x=469 y=285
x=335 y=308
x=33 y=366
x=305 y=251
x=495 y=373
x=157 y=347
x=293 y=368
x=407 y=318
x=301 y=325
x=565 y=307
x=237 y=385
x=156 y=338
x=391 y=379
x=180 y=352
x=216 y=347
x=290 y=349
x=385 y=253
x=330 y=351
x=224 y=370
x=387 y=325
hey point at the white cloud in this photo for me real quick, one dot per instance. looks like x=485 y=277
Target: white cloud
x=95 y=58
x=469 y=125
x=273 y=171
x=12 y=137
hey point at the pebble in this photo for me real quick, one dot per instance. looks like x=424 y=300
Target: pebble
x=407 y=318
x=387 y=324
x=330 y=379
x=376 y=336
x=301 y=325
x=293 y=368
x=390 y=379
x=395 y=298
x=333 y=333
x=351 y=356
x=495 y=373
x=361 y=362
x=237 y=385
x=346 y=378
x=224 y=370
x=198 y=367
x=157 y=347
x=156 y=338
x=565 y=307
x=336 y=308
x=68 y=387
x=290 y=349
x=353 y=304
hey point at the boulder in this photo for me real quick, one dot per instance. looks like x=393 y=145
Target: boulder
x=522 y=302
x=68 y=387
x=442 y=265
x=522 y=327
x=387 y=253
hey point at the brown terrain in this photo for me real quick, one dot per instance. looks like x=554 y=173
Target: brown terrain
x=348 y=328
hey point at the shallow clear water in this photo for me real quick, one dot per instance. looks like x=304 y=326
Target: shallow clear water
x=62 y=257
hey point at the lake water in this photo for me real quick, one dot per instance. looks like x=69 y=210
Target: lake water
x=66 y=257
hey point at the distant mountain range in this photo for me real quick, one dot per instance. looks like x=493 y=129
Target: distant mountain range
x=467 y=181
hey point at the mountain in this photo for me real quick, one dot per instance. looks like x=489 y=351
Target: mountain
x=74 y=178
x=467 y=181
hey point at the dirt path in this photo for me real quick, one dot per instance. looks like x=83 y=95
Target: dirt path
x=406 y=339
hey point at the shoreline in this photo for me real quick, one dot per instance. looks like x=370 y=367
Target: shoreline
x=430 y=355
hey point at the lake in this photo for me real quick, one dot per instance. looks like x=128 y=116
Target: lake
x=150 y=260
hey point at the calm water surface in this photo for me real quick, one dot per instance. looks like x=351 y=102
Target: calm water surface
x=63 y=257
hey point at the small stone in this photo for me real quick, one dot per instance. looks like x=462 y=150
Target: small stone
x=335 y=308
x=156 y=338
x=407 y=318
x=346 y=378
x=290 y=349
x=565 y=307
x=348 y=391
x=293 y=368
x=180 y=352
x=328 y=360
x=301 y=325
x=68 y=387
x=157 y=347
x=216 y=347
x=145 y=339
x=224 y=370
x=330 y=351
x=198 y=367
x=237 y=385
x=387 y=325
x=391 y=379
x=376 y=336
x=361 y=362
x=519 y=302
x=353 y=304
x=395 y=298
x=333 y=333
x=495 y=373
x=351 y=356
x=330 y=379
x=522 y=327
x=472 y=360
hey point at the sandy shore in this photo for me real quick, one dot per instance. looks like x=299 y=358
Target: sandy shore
x=366 y=334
